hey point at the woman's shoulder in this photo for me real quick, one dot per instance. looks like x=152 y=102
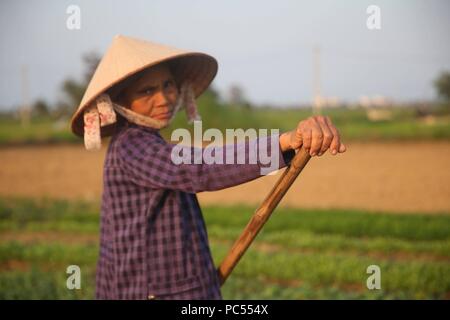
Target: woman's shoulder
x=137 y=135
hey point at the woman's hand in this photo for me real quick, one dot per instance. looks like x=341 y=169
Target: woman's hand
x=316 y=134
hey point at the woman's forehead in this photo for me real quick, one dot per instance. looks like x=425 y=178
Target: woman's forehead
x=154 y=75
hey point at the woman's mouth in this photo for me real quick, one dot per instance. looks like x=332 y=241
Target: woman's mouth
x=163 y=115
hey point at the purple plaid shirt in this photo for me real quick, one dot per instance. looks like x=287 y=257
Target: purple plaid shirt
x=153 y=242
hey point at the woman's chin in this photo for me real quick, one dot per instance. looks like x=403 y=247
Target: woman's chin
x=164 y=124
x=164 y=120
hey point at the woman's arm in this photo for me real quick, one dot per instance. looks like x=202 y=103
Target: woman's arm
x=149 y=161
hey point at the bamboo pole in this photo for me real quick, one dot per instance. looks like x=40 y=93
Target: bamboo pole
x=262 y=214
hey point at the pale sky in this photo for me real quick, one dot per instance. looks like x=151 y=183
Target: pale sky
x=264 y=46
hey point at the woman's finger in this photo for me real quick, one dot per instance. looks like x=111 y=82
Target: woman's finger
x=307 y=137
x=336 y=142
x=317 y=137
x=327 y=135
x=298 y=139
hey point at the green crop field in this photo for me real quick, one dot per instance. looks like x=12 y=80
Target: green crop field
x=300 y=254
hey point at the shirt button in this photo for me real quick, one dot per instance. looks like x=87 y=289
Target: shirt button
x=151 y=297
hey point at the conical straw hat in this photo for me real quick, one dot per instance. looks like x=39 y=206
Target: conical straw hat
x=127 y=56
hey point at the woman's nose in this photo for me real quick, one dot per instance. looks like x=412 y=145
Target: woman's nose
x=161 y=97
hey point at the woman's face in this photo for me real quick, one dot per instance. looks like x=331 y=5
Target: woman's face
x=154 y=94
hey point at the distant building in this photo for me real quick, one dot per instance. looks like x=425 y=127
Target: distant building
x=378 y=108
x=326 y=102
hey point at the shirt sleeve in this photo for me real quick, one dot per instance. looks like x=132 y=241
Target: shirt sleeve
x=148 y=160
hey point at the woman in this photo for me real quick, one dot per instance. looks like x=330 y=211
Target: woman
x=154 y=243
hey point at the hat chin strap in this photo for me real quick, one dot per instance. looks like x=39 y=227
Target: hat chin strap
x=103 y=112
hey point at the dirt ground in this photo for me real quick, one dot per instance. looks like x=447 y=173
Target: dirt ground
x=395 y=177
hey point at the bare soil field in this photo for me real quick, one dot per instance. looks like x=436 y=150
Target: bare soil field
x=394 y=177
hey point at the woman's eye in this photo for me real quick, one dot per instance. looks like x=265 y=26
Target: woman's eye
x=168 y=84
x=147 y=91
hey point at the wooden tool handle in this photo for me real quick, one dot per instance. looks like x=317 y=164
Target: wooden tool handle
x=262 y=214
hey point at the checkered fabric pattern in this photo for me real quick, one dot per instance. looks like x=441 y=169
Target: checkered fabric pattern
x=153 y=242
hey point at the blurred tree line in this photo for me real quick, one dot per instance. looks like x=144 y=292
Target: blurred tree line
x=442 y=86
x=72 y=93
